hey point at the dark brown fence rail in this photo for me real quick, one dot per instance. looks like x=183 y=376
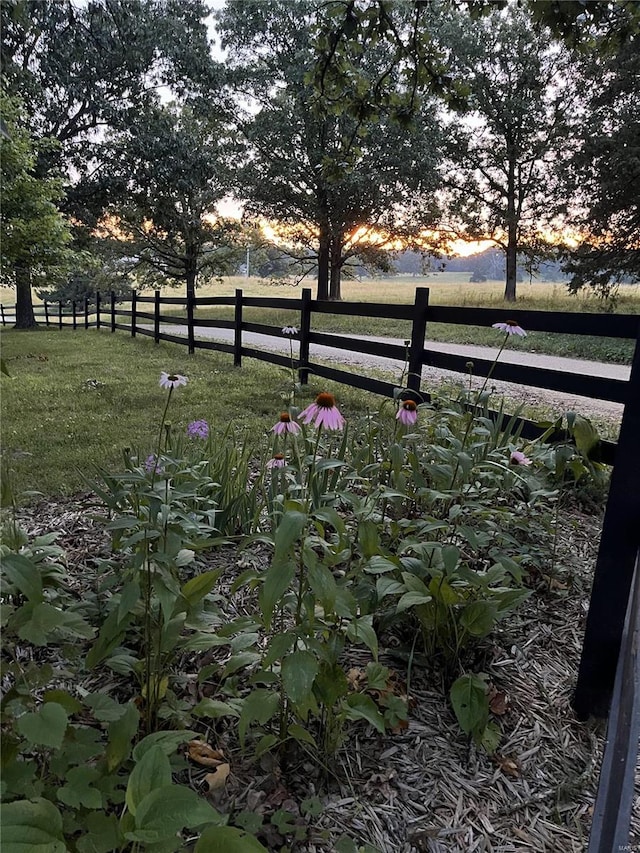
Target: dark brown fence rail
x=610 y=643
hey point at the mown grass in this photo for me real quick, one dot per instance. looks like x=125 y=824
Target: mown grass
x=74 y=401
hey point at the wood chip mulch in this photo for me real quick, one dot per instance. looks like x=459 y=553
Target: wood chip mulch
x=427 y=788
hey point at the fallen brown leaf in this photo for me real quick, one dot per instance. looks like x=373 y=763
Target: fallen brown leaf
x=507 y=764
x=498 y=702
x=216 y=780
x=204 y=754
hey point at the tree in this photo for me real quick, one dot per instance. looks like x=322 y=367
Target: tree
x=604 y=179
x=336 y=181
x=167 y=174
x=34 y=236
x=500 y=176
x=85 y=68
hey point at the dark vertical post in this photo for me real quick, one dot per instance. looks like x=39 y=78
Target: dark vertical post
x=305 y=328
x=615 y=564
x=156 y=317
x=113 y=311
x=2 y=314
x=60 y=313
x=237 y=330
x=73 y=312
x=97 y=309
x=86 y=312
x=418 y=332
x=46 y=313
x=191 y=339
x=134 y=302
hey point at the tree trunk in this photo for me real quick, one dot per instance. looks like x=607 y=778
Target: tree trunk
x=190 y=276
x=323 y=264
x=512 y=233
x=25 y=318
x=335 y=292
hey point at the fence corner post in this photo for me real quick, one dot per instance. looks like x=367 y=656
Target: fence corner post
x=46 y=314
x=237 y=330
x=156 y=317
x=113 y=310
x=134 y=305
x=60 y=313
x=305 y=329
x=416 y=345
x=613 y=576
x=97 y=309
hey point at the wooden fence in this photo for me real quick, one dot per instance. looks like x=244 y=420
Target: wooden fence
x=616 y=572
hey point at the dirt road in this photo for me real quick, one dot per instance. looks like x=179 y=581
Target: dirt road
x=557 y=402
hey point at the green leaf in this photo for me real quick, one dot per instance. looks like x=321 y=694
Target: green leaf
x=259 y=706
x=361 y=631
x=121 y=733
x=61 y=697
x=479 y=618
x=277 y=579
x=214 y=709
x=299 y=733
x=77 y=792
x=379 y=565
x=228 y=839
x=167 y=741
x=31 y=826
x=44 y=727
x=279 y=645
x=361 y=707
x=331 y=684
x=299 y=670
x=104 y=708
x=167 y=810
x=289 y=529
x=24 y=575
x=104 y=834
x=151 y=772
x=195 y=589
x=411 y=599
x=470 y=703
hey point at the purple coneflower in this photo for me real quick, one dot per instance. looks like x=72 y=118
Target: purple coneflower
x=278 y=461
x=518 y=458
x=172 y=380
x=511 y=327
x=285 y=425
x=198 y=429
x=324 y=411
x=407 y=413
x=289 y=330
x=152 y=466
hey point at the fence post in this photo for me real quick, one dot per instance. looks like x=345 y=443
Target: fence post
x=191 y=346
x=86 y=312
x=418 y=332
x=237 y=331
x=617 y=555
x=113 y=310
x=60 y=313
x=2 y=314
x=305 y=328
x=46 y=314
x=73 y=312
x=97 y=309
x=134 y=301
x=156 y=317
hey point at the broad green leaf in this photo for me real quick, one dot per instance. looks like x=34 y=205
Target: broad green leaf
x=470 y=703
x=228 y=839
x=195 y=589
x=279 y=645
x=411 y=599
x=167 y=810
x=44 y=727
x=121 y=733
x=331 y=684
x=31 y=826
x=167 y=741
x=77 y=791
x=151 y=772
x=450 y=557
x=214 y=709
x=379 y=565
x=61 y=697
x=129 y=597
x=289 y=529
x=104 y=708
x=323 y=584
x=479 y=618
x=259 y=706
x=104 y=834
x=361 y=631
x=299 y=733
x=24 y=575
x=277 y=580
x=361 y=707
x=299 y=670
x=368 y=538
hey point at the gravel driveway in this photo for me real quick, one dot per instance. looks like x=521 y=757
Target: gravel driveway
x=531 y=397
